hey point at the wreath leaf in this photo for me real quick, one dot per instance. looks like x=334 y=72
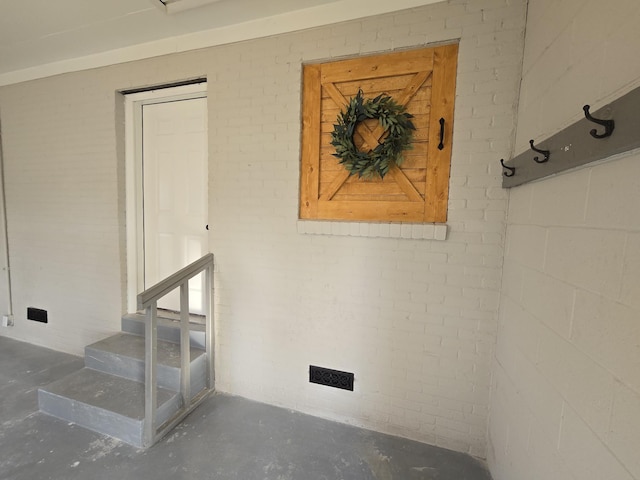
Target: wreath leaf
x=395 y=121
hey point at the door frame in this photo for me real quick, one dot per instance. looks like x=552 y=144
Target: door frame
x=133 y=175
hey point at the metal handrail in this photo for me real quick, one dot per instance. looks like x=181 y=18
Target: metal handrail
x=148 y=300
x=165 y=286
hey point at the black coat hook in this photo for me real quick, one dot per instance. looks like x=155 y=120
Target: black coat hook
x=511 y=170
x=608 y=125
x=546 y=153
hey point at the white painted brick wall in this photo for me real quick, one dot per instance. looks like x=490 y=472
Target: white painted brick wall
x=566 y=385
x=398 y=312
x=62 y=211
x=414 y=319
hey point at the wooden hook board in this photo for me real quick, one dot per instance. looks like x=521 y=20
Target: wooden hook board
x=574 y=146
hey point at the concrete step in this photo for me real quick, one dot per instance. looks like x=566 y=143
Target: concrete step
x=168 y=329
x=104 y=403
x=123 y=355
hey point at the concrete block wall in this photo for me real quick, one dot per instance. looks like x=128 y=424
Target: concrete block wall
x=566 y=383
x=414 y=319
x=577 y=52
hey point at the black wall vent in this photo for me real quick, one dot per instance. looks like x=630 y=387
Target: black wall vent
x=331 y=378
x=37 y=314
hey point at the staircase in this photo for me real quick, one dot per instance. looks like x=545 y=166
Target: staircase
x=108 y=397
x=139 y=384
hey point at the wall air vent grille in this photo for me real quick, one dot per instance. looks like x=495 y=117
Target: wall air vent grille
x=331 y=378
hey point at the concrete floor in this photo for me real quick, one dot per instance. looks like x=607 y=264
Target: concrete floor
x=225 y=438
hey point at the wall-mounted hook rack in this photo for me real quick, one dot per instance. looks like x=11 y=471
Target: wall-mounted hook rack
x=511 y=171
x=576 y=145
x=608 y=125
x=546 y=153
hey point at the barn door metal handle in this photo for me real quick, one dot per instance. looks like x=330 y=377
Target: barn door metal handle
x=546 y=153
x=207 y=227
x=441 y=144
x=608 y=125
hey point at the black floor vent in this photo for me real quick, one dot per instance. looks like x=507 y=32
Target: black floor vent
x=331 y=378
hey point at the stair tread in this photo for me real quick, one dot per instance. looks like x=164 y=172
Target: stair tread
x=109 y=392
x=133 y=346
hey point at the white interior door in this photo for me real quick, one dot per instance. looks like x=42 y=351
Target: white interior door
x=175 y=185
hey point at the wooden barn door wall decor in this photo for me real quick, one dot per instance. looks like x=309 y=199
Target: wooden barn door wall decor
x=416 y=190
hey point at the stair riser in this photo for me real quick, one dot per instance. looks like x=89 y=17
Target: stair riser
x=166 y=333
x=133 y=369
x=92 y=418
x=108 y=395
x=103 y=421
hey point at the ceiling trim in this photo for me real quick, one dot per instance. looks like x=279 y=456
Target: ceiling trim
x=321 y=15
x=174 y=6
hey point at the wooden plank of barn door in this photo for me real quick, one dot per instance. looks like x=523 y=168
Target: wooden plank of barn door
x=365 y=210
x=439 y=161
x=376 y=66
x=310 y=161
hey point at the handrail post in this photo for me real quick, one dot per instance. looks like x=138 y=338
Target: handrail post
x=148 y=300
x=185 y=349
x=151 y=379
x=208 y=311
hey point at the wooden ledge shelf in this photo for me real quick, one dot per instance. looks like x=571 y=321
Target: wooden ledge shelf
x=575 y=146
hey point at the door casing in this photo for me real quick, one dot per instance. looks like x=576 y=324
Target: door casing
x=133 y=173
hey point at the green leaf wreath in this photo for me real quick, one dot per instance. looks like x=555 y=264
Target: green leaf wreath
x=395 y=120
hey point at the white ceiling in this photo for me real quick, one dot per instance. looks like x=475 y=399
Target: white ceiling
x=33 y=32
x=44 y=37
